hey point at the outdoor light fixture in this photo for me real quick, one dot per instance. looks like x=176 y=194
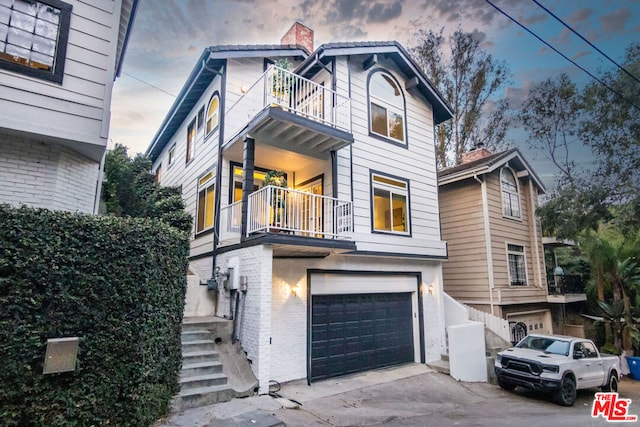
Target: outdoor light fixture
x=61 y=355
x=430 y=289
x=294 y=290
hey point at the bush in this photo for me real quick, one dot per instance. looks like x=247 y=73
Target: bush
x=119 y=285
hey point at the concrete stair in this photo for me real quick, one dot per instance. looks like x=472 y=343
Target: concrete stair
x=202 y=381
x=441 y=365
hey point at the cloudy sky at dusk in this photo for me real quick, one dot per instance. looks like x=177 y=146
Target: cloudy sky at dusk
x=169 y=35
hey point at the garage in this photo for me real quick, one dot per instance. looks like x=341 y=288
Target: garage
x=358 y=323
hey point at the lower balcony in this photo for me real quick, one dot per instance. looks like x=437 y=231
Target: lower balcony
x=566 y=288
x=295 y=222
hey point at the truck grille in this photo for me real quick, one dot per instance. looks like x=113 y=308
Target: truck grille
x=521 y=365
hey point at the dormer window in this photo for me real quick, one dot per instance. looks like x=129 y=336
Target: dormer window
x=386 y=108
x=510 y=196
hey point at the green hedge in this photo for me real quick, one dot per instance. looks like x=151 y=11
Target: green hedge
x=119 y=285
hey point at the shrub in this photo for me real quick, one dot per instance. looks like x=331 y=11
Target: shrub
x=119 y=285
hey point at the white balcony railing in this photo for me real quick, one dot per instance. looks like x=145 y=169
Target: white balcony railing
x=299 y=213
x=279 y=87
x=274 y=209
x=231 y=222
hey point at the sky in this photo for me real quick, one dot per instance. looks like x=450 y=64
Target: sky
x=168 y=36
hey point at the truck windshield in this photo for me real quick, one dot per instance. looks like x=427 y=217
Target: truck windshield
x=545 y=344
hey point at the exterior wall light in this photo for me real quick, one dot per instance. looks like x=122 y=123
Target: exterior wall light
x=61 y=355
x=430 y=289
x=294 y=290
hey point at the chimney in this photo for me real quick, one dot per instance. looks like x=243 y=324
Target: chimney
x=299 y=34
x=476 y=154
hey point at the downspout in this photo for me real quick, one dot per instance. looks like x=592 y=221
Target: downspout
x=487 y=237
x=217 y=195
x=535 y=233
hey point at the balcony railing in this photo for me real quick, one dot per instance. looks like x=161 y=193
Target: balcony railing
x=279 y=87
x=282 y=210
x=565 y=284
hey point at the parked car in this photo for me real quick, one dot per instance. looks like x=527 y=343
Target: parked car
x=557 y=364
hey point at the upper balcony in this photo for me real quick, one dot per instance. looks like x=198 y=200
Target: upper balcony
x=566 y=288
x=285 y=110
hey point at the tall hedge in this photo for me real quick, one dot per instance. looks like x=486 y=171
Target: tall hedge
x=118 y=284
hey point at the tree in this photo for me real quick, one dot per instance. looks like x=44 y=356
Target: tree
x=613 y=128
x=131 y=190
x=469 y=79
x=552 y=115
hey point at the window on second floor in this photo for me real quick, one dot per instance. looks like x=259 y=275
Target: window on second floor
x=517 y=265
x=390 y=204
x=159 y=173
x=386 y=108
x=212 y=114
x=510 y=196
x=206 y=197
x=200 y=118
x=191 y=140
x=172 y=155
x=33 y=37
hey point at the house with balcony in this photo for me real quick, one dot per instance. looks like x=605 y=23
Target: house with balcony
x=58 y=63
x=496 y=258
x=311 y=176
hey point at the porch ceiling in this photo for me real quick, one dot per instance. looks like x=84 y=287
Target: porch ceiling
x=277 y=127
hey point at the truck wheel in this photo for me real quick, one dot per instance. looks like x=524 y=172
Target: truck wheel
x=566 y=394
x=612 y=383
x=505 y=385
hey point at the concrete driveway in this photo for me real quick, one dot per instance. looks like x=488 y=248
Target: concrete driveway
x=410 y=395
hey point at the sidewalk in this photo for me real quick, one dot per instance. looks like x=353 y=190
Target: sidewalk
x=258 y=411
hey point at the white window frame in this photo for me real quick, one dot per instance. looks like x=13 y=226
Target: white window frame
x=524 y=262
x=205 y=182
x=381 y=103
x=392 y=189
x=513 y=195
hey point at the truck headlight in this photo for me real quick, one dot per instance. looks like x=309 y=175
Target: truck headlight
x=550 y=368
x=499 y=358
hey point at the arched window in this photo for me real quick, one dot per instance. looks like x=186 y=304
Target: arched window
x=212 y=114
x=386 y=106
x=510 y=196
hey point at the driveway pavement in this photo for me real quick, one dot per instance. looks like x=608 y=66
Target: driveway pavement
x=410 y=395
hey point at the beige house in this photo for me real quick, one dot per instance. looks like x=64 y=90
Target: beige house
x=496 y=258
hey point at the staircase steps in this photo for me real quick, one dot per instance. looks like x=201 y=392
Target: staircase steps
x=202 y=381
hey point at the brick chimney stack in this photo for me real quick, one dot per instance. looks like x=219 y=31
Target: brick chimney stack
x=476 y=154
x=299 y=34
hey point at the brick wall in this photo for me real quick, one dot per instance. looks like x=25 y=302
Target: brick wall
x=46 y=176
x=254 y=319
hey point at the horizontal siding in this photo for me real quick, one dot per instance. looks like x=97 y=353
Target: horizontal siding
x=465 y=273
x=415 y=163
x=84 y=95
x=516 y=231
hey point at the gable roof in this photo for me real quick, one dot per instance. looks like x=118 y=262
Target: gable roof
x=207 y=67
x=397 y=53
x=487 y=165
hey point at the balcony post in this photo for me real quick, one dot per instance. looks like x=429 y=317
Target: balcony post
x=248 y=161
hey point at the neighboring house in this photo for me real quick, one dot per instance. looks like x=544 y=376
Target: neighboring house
x=58 y=63
x=340 y=271
x=496 y=257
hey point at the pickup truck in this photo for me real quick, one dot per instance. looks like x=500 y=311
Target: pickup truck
x=557 y=364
